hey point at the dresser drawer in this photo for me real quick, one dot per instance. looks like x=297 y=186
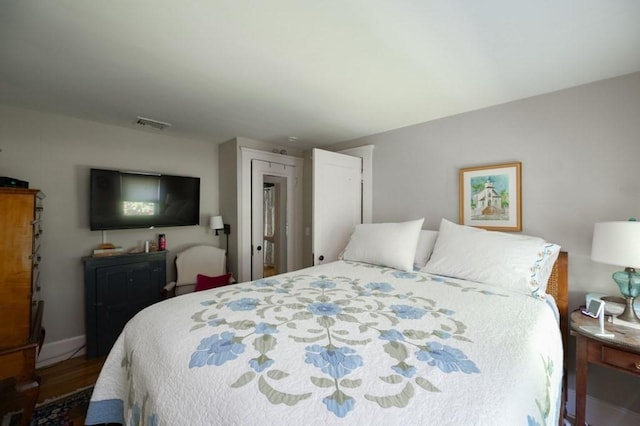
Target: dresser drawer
x=621 y=359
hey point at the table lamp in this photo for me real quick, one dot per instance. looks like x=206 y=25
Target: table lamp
x=618 y=243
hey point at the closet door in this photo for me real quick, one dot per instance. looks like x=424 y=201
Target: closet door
x=337 y=202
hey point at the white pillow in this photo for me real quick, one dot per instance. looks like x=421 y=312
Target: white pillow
x=385 y=244
x=516 y=262
x=426 y=241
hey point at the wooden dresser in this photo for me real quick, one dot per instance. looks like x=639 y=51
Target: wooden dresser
x=20 y=307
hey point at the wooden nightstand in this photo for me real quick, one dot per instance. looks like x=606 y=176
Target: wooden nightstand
x=621 y=352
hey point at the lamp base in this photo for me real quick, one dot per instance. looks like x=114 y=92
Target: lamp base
x=629 y=314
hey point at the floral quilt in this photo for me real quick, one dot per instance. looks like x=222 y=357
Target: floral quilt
x=340 y=343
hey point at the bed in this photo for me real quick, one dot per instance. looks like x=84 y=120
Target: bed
x=369 y=339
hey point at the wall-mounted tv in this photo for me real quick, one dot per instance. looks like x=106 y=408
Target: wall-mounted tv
x=124 y=200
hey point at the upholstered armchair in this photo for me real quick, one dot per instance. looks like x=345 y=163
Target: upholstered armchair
x=207 y=261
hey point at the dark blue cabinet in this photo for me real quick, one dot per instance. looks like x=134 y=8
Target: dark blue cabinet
x=117 y=288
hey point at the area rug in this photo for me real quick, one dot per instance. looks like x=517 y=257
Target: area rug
x=56 y=410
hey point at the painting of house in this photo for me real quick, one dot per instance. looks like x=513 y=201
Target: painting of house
x=488 y=203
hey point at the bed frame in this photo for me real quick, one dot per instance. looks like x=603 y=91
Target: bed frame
x=558 y=287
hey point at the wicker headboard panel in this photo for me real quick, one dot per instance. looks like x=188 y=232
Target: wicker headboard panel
x=558 y=287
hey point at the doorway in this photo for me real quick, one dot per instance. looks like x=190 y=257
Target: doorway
x=274 y=214
x=274 y=208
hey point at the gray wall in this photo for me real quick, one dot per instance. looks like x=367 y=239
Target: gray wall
x=54 y=153
x=579 y=150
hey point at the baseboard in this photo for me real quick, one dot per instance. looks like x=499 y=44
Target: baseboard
x=61 y=350
x=600 y=412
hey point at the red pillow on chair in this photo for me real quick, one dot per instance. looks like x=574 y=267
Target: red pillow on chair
x=204 y=282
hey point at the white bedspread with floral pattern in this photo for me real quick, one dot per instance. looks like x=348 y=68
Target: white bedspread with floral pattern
x=341 y=343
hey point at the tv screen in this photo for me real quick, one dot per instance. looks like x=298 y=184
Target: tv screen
x=123 y=199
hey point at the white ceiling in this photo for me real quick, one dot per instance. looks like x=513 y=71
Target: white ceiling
x=323 y=71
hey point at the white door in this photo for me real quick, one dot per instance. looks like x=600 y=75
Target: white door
x=337 y=202
x=290 y=178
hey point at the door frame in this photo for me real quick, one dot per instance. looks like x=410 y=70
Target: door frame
x=291 y=177
x=244 y=211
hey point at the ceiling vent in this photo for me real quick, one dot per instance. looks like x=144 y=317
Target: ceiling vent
x=160 y=125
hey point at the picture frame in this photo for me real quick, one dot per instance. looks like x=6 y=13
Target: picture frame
x=491 y=197
x=595 y=308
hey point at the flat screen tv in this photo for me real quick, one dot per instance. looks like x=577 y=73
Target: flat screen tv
x=124 y=200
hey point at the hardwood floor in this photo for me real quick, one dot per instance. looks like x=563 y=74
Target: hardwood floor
x=58 y=379
x=269 y=271
x=67 y=376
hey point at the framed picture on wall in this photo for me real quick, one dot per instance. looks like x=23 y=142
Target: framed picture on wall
x=490 y=197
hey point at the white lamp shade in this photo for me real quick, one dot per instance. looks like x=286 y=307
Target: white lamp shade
x=617 y=243
x=215 y=222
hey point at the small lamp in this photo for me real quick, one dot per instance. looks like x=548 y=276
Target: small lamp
x=618 y=243
x=216 y=223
